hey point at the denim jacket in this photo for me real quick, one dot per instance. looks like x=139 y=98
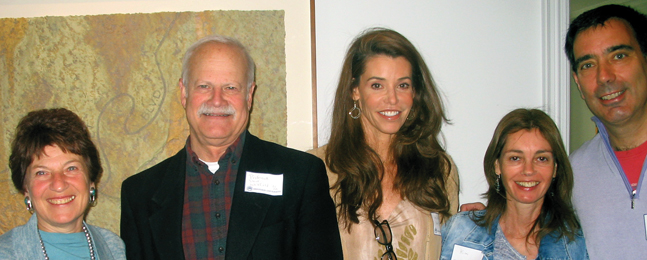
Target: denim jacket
x=461 y=230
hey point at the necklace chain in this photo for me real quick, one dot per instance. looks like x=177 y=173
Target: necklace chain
x=87 y=237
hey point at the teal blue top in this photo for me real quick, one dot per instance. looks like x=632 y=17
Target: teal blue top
x=66 y=246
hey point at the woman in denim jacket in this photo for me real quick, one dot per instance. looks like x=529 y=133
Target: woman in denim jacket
x=529 y=213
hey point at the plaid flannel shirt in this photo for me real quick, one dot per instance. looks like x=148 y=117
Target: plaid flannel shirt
x=207 y=202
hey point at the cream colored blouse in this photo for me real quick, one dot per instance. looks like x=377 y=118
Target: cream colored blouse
x=412 y=227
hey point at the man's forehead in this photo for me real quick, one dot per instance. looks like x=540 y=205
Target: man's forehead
x=603 y=37
x=221 y=52
x=213 y=48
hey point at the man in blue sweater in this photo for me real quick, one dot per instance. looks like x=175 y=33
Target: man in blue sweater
x=607 y=49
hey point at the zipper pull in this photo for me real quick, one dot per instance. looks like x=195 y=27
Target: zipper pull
x=633 y=195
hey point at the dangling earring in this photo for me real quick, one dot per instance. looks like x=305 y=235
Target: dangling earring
x=497 y=186
x=355 y=109
x=30 y=207
x=93 y=196
x=552 y=183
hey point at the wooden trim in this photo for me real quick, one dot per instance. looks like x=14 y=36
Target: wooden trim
x=313 y=56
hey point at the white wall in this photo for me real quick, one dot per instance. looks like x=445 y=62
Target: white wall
x=485 y=55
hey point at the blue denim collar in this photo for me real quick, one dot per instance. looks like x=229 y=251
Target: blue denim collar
x=550 y=246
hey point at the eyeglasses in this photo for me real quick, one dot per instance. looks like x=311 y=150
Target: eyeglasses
x=384 y=236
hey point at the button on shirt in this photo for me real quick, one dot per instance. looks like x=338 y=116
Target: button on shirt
x=207 y=202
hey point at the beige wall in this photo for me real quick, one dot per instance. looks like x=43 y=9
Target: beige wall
x=582 y=128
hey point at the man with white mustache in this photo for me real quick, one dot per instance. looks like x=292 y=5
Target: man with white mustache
x=224 y=111
x=607 y=49
x=227 y=194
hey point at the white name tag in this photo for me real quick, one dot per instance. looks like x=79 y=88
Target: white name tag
x=436 y=219
x=466 y=253
x=264 y=183
x=645 y=216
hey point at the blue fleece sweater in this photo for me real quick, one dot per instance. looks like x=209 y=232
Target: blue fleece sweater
x=602 y=198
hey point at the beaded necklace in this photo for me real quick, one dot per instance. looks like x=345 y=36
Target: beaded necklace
x=87 y=236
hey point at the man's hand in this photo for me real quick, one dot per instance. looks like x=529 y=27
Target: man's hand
x=472 y=206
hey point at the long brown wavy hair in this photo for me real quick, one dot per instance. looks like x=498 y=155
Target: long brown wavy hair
x=557 y=212
x=423 y=166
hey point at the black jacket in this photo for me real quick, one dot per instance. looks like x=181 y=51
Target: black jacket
x=300 y=224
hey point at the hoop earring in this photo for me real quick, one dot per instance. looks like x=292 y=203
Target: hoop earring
x=355 y=109
x=497 y=186
x=30 y=207
x=93 y=196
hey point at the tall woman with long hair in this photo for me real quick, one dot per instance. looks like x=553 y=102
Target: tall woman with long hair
x=390 y=177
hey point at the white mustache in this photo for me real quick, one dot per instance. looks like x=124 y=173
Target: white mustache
x=208 y=109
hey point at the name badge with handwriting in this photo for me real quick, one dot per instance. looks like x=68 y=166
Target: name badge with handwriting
x=466 y=253
x=264 y=183
x=437 y=226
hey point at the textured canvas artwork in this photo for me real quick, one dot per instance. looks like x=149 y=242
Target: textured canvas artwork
x=119 y=73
